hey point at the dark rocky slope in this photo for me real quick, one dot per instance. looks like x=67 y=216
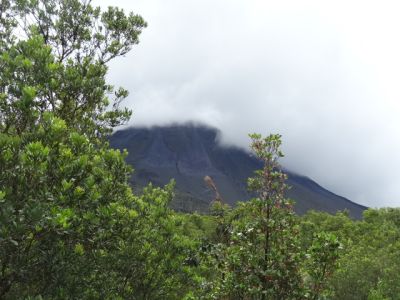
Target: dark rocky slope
x=187 y=153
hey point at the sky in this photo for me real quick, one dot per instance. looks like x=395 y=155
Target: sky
x=323 y=74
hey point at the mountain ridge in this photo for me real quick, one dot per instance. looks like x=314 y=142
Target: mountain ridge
x=190 y=152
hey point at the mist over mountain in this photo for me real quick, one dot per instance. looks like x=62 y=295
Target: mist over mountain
x=188 y=153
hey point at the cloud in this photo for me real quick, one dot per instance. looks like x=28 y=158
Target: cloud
x=324 y=75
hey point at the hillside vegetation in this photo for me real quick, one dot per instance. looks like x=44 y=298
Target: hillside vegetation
x=71 y=227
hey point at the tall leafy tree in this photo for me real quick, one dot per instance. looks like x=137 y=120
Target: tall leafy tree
x=262 y=257
x=70 y=226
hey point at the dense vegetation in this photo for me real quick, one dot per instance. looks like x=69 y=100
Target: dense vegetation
x=71 y=227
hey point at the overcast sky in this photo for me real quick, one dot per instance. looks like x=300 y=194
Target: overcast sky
x=324 y=74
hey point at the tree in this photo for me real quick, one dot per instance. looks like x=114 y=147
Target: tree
x=369 y=266
x=60 y=61
x=62 y=200
x=70 y=226
x=152 y=260
x=263 y=258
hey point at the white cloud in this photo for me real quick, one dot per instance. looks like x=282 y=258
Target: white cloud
x=323 y=74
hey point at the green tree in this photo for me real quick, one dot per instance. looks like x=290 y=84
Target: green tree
x=61 y=203
x=58 y=50
x=70 y=226
x=152 y=259
x=368 y=268
x=370 y=257
x=262 y=258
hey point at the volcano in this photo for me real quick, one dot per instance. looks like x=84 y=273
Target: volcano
x=190 y=153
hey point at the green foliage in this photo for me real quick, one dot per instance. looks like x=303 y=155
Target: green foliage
x=370 y=258
x=149 y=261
x=70 y=226
x=60 y=64
x=57 y=201
x=259 y=254
x=321 y=261
x=368 y=268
